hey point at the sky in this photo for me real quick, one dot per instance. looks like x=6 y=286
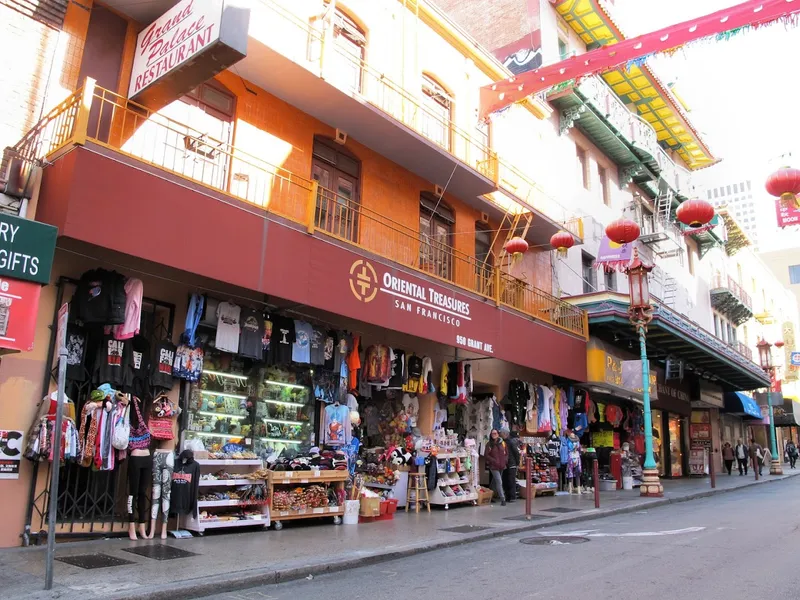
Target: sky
x=742 y=93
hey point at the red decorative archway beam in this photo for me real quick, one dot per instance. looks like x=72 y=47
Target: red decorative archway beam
x=721 y=24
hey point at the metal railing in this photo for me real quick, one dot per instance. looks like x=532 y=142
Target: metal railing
x=634 y=128
x=741 y=348
x=721 y=282
x=109 y=120
x=53 y=131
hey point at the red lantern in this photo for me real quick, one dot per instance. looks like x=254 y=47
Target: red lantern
x=562 y=241
x=516 y=245
x=695 y=213
x=785 y=184
x=779 y=344
x=622 y=231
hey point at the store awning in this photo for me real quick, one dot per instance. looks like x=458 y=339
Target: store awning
x=787 y=414
x=742 y=404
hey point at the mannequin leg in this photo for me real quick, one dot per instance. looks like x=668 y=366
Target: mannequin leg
x=166 y=491
x=576 y=481
x=158 y=466
x=133 y=485
x=138 y=482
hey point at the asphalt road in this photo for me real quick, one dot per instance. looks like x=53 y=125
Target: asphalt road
x=740 y=545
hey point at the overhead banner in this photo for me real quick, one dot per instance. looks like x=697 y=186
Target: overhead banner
x=614 y=256
x=721 y=24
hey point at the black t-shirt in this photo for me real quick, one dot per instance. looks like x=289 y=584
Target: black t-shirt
x=397 y=378
x=100 y=298
x=76 y=352
x=281 y=341
x=329 y=350
x=185 y=484
x=317 y=347
x=161 y=371
x=265 y=341
x=251 y=339
x=140 y=367
x=414 y=366
x=112 y=363
x=554 y=450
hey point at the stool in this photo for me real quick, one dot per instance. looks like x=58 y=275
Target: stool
x=419 y=486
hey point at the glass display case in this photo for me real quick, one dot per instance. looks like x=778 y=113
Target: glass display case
x=268 y=411
x=284 y=414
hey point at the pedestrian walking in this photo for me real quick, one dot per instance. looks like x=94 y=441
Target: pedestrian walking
x=496 y=461
x=757 y=451
x=791 y=452
x=742 y=453
x=728 y=456
x=510 y=474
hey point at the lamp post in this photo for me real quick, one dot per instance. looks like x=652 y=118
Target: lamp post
x=765 y=358
x=640 y=314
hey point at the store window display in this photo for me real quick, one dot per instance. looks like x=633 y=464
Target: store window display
x=676 y=445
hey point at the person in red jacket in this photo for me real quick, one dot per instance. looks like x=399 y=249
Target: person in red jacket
x=496 y=461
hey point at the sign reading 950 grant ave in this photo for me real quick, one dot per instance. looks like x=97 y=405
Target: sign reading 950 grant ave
x=26 y=249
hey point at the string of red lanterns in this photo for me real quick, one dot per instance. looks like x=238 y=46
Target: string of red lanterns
x=562 y=241
x=695 y=213
x=623 y=231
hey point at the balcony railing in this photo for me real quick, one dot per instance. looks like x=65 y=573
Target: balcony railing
x=721 y=282
x=741 y=348
x=102 y=117
x=635 y=129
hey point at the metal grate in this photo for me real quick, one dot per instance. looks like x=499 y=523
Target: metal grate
x=94 y=561
x=557 y=540
x=465 y=529
x=561 y=509
x=47 y=12
x=160 y=552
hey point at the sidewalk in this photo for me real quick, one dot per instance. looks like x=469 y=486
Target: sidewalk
x=225 y=562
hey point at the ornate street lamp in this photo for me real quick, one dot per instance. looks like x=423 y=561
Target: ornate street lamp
x=765 y=358
x=640 y=314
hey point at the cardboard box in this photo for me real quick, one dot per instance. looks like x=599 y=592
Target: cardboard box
x=484 y=496
x=370 y=507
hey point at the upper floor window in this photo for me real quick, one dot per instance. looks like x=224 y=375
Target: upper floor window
x=794 y=274
x=338 y=172
x=588 y=274
x=347 y=61
x=437 y=112
x=610 y=280
x=563 y=49
x=436 y=222
x=583 y=166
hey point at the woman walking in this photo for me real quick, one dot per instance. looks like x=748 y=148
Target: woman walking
x=496 y=460
x=728 y=456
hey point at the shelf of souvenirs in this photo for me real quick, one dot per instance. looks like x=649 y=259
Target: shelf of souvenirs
x=307 y=512
x=442 y=482
x=228 y=482
x=229 y=462
x=213 y=523
x=223 y=503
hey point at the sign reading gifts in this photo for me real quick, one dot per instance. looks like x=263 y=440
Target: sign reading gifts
x=187 y=45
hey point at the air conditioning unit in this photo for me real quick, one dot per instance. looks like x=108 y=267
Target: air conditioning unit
x=438 y=190
x=484 y=217
x=341 y=137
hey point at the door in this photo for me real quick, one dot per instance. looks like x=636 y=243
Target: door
x=337 y=206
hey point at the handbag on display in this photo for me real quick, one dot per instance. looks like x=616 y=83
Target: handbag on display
x=139 y=438
x=122 y=426
x=161 y=418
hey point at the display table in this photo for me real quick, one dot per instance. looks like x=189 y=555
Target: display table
x=287 y=480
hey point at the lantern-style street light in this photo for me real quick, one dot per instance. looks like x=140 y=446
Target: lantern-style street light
x=640 y=314
x=765 y=359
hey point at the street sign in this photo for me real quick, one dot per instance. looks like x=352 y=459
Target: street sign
x=26 y=249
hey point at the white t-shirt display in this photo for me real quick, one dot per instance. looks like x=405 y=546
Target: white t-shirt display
x=228 y=327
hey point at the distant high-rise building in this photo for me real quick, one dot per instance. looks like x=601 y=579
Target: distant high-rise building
x=738 y=197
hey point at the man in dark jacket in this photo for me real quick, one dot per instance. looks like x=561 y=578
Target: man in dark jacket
x=742 y=453
x=510 y=474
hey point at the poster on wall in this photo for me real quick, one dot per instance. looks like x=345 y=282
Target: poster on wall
x=697 y=461
x=10 y=453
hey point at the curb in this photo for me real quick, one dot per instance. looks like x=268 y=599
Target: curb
x=239 y=580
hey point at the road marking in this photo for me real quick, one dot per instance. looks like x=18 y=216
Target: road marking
x=595 y=533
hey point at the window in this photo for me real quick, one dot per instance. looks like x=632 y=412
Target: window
x=717 y=330
x=583 y=165
x=347 y=59
x=483 y=257
x=338 y=172
x=563 y=49
x=605 y=192
x=610 y=280
x=716 y=193
x=588 y=274
x=436 y=222
x=437 y=112
x=794 y=274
